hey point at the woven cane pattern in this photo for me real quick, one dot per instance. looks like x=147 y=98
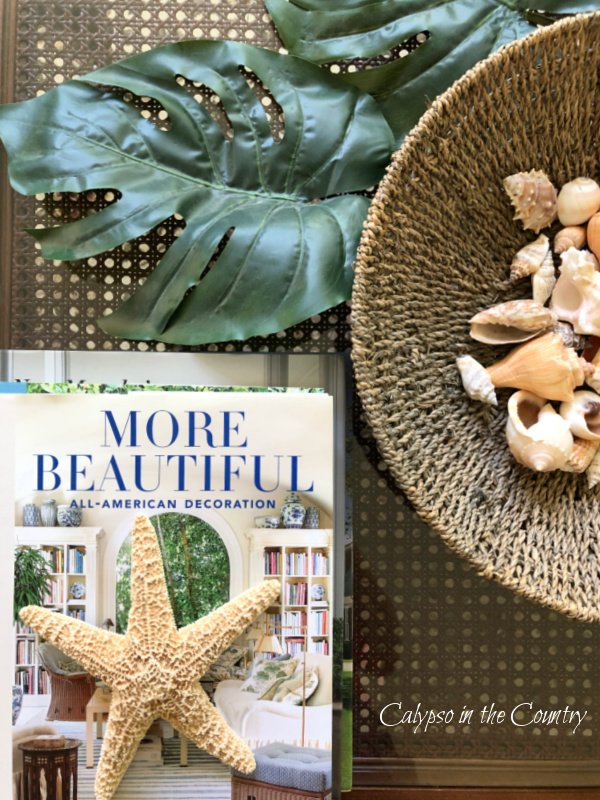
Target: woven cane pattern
x=154 y=669
x=436 y=249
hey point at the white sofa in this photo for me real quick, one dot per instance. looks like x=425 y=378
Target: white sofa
x=259 y=721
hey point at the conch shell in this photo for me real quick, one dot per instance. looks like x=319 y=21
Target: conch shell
x=582 y=414
x=543 y=280
x=537 y=436
x=529 y=258
x=577 y=201
x=576 y=297
x=476 y=381
x=593 y=234
x=543 y=366
x=534 y=198
x=515 y=321
x=573 y=236
x=581 y=456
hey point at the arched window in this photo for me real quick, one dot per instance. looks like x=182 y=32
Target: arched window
x=196 y=568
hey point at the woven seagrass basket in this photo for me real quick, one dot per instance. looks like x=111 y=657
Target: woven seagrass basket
x=436 y=249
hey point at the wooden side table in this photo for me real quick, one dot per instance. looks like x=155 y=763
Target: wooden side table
x=58 y=761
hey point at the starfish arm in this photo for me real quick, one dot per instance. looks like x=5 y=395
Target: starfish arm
x=150 y=610
x=203 y=641
x=127 y=725
x=93 y=648
x=200 y=722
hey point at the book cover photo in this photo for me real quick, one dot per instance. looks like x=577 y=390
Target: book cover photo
x=173 y=549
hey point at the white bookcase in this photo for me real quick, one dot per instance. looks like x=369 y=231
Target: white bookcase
x=73 y=555
x=300 y=559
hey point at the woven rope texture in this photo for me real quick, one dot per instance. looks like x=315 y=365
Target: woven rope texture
x=438 y=242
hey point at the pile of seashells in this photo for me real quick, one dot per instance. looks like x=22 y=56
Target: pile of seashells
x=560 y=343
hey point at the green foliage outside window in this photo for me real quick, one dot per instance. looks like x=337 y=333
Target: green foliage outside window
x=196 y=568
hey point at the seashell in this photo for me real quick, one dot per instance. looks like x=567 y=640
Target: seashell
x=593 y=234
x=515 y=321
x=534 y=198
x=529 y=258
x=543 y=366
x=576 y=296
x=573 y=236
x=581 y=456
x=544 y=280
x=583 y=415
x=577 y=201
x=592 y=371
x=569 y=337
x=537 y=436
x=476 y=381
x=593 y=471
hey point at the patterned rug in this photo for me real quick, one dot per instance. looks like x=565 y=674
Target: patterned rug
x=204 y=779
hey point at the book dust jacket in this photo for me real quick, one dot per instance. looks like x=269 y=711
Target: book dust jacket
x=221 y=490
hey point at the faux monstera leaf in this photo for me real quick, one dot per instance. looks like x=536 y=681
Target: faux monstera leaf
x=295 y=222
x=460 y=33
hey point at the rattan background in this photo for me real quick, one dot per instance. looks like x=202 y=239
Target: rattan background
x=459 y=638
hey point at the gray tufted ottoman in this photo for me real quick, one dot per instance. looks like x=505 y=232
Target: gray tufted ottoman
x=285 y=772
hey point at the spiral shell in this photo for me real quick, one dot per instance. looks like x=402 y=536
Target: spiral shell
x=529 y=258
x=581 y=456
x=573 y=236
x=577 y=201
x=537 y=436
x=476 y=380
x=534 y=198
x=543 y=280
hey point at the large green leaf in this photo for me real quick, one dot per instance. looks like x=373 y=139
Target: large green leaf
x=296 y=227
x=461 y=33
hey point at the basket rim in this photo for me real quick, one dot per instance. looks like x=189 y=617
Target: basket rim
x=362 y=343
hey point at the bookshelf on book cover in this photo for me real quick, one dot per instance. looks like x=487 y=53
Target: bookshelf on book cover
x=72 y=555
x=301 y=559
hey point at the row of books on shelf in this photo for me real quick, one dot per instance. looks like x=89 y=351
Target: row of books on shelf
x=296 y=594
x=294 y=623
x=272 y=562
x=76 y=613
x=25 y=651
x=56 y=592
x=295 y=563
x=26 y=678
x=55 y=558
x=319 y=620
x=320 y=564
x=295 y=646
x=75 y=560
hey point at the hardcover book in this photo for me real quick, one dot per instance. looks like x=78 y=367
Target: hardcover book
x=229 y=481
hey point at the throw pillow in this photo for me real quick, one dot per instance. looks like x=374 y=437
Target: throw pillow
x=266 y=673
x=290 y=690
